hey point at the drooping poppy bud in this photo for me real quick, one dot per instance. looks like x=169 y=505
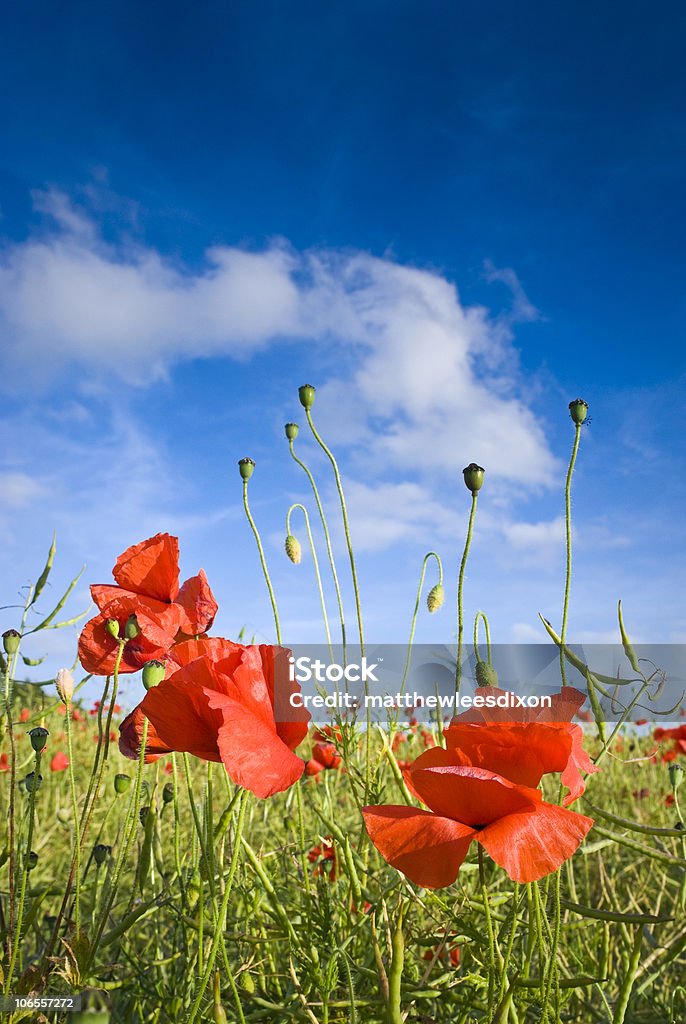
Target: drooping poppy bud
x=32 y=861
x=168 y=792
x=33 y=782
x=121 y=783
x=153 y=673
x=293 y=549
x=131 y=628
x=473 y=477
x=485 y=674
x=246 y=467
x=578 y=410
x=10 y=641
x=435 y=598
x=306 y=395
x=112 y=627
x=38 y=737
x=64 y=683
x=292 y=430
x=101 y=853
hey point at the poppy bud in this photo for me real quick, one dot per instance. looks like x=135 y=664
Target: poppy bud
x=473 y=477
x=121 y=783
x=153 y=673
x=578 y=410
x=435 y=598
x=64 y=683
x=32 y=861
x=112 y=627
x=246 y=467
x=143 y=814
x=38 y=737
x=131 y=628
x=168 y=792
x=293 y=549
x=486 y=675
x=306 y=396
x=10 y=641
x=101 y=853
x=32 y=782
x=292 y=430
x=676 y=776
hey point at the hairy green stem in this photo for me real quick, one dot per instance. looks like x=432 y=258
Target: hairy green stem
x=460 y=586
x=568 y=539
x=315 y=562
x=263 y=561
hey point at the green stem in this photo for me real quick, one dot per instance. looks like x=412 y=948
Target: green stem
x=75 y=811
x=315 y=562
x=221 y=920
x=482 y=616
x=16 y=943
x=490 y=933
x=629 y=978
x=460 y=585
x=430 y=554
x=263 y=561
x=568 y=537
x=327 y=536
x=395 y=975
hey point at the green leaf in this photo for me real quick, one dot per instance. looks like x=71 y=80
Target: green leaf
x=578 y=663
x=614 y=915
x=43 y=578
x=58 y=607
x=626 y=643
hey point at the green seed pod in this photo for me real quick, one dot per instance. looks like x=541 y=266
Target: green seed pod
x=33 y=860
x=38 y=737
x=246 y=467
x=121 y=783
x=153 y=673
x=168 y=792
x=11 y=640
x=306 y=396
x=292 y=430
x=578 y=410
x=676 y=776
x=435 y=598
x=486 y=675
x=194 y=887
x=247 y=982
x=293 y=549
x=131 y=628
x=33 y=782
x=218 y=1011
x=101 y=853
x=473 y=477
x=112 y=627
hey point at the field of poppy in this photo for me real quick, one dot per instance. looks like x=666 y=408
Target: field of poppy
x=206 y=858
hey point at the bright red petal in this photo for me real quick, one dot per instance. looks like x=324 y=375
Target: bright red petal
x=253 y=754
x=131 y=734
x=533 y=843
x=151 y=567
x=473 y=796
x=291 y=722
x=179 y=710
x=564 y=705
x=522 y=752
x=429 y=849
x=158 y=623
x=215 y=648
x=579 y=761
x=198 y=604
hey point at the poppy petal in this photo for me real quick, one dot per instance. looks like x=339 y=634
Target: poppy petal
x=198 y=604
x=131 y=734
x=426 y=847
x=179 y=710
x=151 y=567
x=473 y=796
x=253 y=754
x=291 y=722
x=533 y=843
x=522 y=752
x=216 y=648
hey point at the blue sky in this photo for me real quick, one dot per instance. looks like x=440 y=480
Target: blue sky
x=451 y=219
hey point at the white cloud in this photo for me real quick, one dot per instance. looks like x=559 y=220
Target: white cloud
x=18 y=489
x=536 y=536
x=435 y=383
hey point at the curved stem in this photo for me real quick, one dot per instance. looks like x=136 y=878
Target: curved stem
x=316 y=567
x=430 y=554
x=344 y=513
x=329 y=549
x=568 y=537
x=263 y=561
x=482 y=616
x=460 y=584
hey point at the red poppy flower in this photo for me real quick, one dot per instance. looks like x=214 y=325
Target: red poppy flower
x=24 y=715
x=446 y=955
x=324 y=857
x=4 y=763
x=59 y=762
x=569 y=736
x=497 y=806
x=324 y=756
x=327 y=734
x=147 y=587
x=225 y=702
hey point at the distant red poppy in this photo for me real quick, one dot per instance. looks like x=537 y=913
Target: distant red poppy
x=24 y=715
x=324 y=756
x=327 y=734
x=444 y=954
x=59 y=762
x=677 y=736
x=4 y=763
x=323 y=856
x=481 y=788
x=225 y=702
x=147 y=587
